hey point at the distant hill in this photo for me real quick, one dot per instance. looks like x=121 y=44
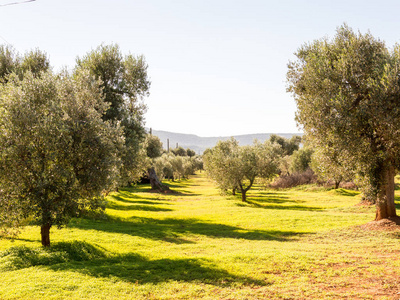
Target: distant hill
x=199 y=144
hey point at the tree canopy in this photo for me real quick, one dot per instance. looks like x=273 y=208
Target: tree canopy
x=288 y=145
x=347 y=92
x=34 y=61
x=124 y=83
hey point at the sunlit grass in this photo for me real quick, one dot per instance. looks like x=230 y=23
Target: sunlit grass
x=301 y=243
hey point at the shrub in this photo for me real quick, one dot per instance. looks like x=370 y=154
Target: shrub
x=295 y=179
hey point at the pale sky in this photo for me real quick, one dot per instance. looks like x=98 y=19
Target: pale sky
x=217 y=67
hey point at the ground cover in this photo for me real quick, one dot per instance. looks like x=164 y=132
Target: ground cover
x=304 y=243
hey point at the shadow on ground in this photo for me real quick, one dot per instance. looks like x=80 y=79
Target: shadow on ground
x=176 y=230
x=271 y=200
x=113 y=205
x=344 y=192
x=271 y=204
x=94 y=261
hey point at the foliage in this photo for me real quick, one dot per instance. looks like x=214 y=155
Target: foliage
x=328 y=165
x=34 y=61
x=301 y=160
x=234 y=167
x=288 y=145
x=179 y=151
x=190 y=152
x=124 y=83
x=153 y=146
x=175 y=167
x=8 y=62
x=55 y=150
x=347 y=93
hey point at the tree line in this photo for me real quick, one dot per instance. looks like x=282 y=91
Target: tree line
x=68 y=137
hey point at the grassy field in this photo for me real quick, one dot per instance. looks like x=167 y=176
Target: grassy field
x=304 y=243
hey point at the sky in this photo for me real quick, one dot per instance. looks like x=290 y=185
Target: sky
x=217 y=67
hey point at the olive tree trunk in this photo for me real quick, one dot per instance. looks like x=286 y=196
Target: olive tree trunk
x=244 y=199
x=244 y=189
x=385 y=207
x=337 y=184
x=155 y=182
x=45 y=232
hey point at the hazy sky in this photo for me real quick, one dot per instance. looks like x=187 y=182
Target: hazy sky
x=217 y=67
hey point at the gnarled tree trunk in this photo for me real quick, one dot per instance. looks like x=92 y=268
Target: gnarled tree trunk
x=244 y=189
x=385 y=207
x=156 y=184
x=45 y=232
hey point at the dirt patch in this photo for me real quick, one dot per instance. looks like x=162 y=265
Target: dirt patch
x=391 y=224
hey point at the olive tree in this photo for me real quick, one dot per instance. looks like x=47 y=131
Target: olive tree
x=154 y=149
x=347 y=93
x=236 y=167
x=124 y=84
x=57 y=154
x=288 y=145
x=329 y=165
x=153 y=146
x=301 y=160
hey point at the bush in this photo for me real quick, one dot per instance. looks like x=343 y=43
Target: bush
x=295 y=179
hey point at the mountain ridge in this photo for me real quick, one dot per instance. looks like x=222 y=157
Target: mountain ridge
x=199 y=144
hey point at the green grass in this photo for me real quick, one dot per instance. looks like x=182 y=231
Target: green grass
x=302 y=243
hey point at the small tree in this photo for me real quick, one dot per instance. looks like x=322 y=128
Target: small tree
x=153 y=146
x=190 y=152
x=56 y=153
x=234 y=167
x=301 y=160
x=288 y=145
x=154 y=150
x=328 y=165
x=180 y=151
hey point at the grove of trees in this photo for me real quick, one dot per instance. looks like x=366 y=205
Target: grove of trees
x=66 y=138
x=178 y=163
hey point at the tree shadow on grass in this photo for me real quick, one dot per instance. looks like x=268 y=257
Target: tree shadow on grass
x=20 y=257
x=274 y=205
x=177 y=230
x=94 y=261
x=113 y=205
x=272 y=199
x=344 y=192
x=137 y=269
x=130 y=197
x=131 y=193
